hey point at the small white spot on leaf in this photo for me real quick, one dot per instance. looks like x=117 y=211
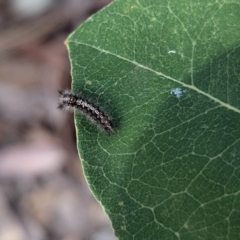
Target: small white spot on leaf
x=172 y=52
x=123 y=227
x=121 y=203
x=178 y=92
x=185 y=225
x=89 y=82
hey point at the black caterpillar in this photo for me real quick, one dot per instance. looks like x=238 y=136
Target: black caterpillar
x=70 y=101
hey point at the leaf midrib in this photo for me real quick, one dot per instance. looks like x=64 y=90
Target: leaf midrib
x=226 y=105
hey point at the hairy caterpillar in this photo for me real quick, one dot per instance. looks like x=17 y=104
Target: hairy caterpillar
x=71 y=101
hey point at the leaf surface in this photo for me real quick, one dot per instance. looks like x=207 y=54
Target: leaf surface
x=168 y=74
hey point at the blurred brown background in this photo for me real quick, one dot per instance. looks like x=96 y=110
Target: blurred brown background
x=43 y=193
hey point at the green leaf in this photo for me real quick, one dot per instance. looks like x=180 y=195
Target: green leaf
x=168 y=73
